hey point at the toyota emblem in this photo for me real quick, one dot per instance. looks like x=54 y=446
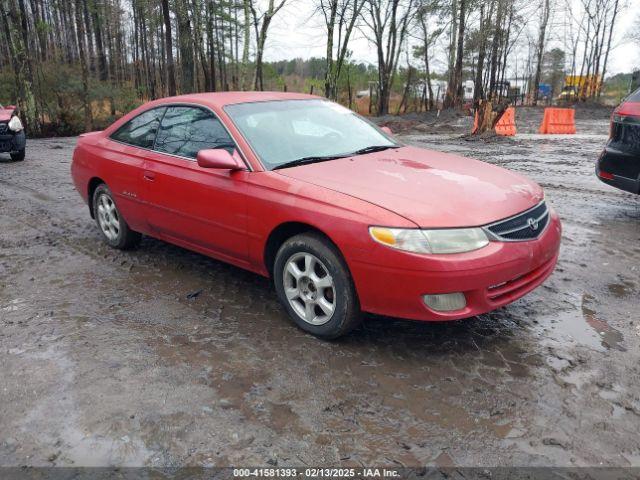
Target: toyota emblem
x=533 y=224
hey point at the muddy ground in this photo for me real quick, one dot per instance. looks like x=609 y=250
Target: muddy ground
x=163 y=357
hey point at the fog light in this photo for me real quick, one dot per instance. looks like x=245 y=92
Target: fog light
x=445 y=302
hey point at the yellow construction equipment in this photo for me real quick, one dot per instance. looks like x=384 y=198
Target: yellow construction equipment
x=579 y=87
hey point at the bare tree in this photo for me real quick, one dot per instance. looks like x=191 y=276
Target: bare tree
x=171 y=69
x=477 y=89
x=340 y=18
x=246 y=31
x=606 y=56
x=261 y=22
x=387 y=21
x=544 y=20
x=428 y=37
x=454 y=89
x=84 y=66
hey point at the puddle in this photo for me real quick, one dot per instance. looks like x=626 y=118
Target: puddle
x=622 y=289
x=583 y=326
x=610 y=337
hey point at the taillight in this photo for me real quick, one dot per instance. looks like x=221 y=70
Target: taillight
x=627 y=109
x=627 y=112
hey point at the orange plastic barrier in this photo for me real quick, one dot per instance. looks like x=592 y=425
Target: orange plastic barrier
x=558 y=120
x=506 y=125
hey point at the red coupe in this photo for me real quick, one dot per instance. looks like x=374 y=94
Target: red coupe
x=335 y=210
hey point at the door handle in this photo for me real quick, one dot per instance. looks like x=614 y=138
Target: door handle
x=150 y=176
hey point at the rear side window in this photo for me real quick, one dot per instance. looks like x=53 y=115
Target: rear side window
x=184 y=131
x=141 y=130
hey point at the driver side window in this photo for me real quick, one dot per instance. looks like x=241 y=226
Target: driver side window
x=184 y=131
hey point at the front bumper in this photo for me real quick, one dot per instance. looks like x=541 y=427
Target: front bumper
x=12 y=142
x=490 y=277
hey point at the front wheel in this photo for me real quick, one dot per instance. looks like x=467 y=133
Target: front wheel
x=114 y=228
x=315 y=287
x=18 y=156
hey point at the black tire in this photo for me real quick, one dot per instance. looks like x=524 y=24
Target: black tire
x=346 y=314
x=123 y=238
x=18 y=156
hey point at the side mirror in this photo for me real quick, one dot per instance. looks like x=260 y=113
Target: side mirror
x=218 y=158
x=386 y=130
x=10 y=107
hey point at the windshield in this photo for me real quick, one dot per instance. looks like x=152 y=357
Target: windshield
x=283 y=131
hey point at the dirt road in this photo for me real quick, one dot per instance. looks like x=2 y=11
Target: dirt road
x=163 y=357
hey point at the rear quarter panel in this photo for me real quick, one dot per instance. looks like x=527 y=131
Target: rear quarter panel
x=119 y=166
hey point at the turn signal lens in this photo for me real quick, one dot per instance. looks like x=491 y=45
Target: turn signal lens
x=445 y=302
x=409 y=240
x=383 y=235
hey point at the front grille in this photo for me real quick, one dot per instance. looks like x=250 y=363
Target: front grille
x=516 y=287
x=524 y=226
x=3 y=128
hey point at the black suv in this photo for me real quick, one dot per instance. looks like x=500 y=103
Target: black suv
x=619 y=163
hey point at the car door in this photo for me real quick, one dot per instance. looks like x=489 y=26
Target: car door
x=187 y=204
x=125 y=151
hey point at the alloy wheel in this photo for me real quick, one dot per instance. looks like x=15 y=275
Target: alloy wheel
x=108 y=217
x=309 y=288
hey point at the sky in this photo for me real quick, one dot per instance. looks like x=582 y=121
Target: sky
x=296 y=32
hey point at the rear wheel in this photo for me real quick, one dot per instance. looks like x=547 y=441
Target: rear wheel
x=18 y=156
x=315 y=287
x=114 y=228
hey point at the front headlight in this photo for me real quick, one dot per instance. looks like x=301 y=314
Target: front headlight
x=451 y=240
x=15 y=125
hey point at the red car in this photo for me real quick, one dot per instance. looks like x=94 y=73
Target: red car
x=12 y=137
x=340 y=215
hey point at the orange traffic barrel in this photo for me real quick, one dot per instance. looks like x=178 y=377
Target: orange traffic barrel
x=506 y=125
x=558 y=120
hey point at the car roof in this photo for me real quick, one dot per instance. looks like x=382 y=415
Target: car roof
x=220 y=99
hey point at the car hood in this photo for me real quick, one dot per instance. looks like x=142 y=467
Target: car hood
x=432 y=189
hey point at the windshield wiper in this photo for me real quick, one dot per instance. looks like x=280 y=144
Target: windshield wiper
x=308 y=160
x=316 y=159
x=373 y=148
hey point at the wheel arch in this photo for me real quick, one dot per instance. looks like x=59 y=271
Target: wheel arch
x=93 y=184
x=285 y=231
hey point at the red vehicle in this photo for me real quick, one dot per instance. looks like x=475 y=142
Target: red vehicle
x=12 y=137
x=340 y=215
